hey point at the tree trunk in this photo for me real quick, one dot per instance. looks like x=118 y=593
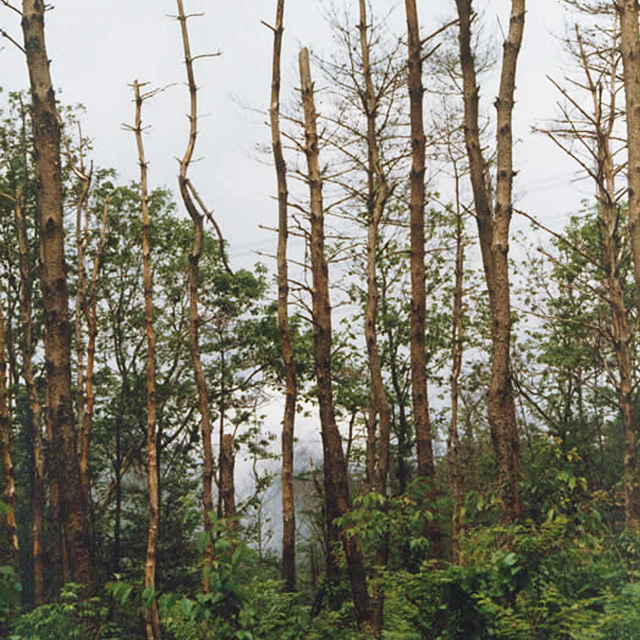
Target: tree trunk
x=74 y=507
x=378 y=440
x=493 y=230
x=34 y=416
x=419 y=391
x=630 y=44
x=337 y=498
x=152 y=620
x=82 y=240
x=9 y=496
x=227 y=481
x=290 y=393
x=186 y=191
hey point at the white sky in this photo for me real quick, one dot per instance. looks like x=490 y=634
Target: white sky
x=98 y=47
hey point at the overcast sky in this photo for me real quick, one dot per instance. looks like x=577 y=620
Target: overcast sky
x=98 y=47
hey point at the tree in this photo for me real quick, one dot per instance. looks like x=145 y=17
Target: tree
x=337 y=496
x=419 y=392
x=494 y=218
x=63 y=463
x=290 y=393
x=152 y=620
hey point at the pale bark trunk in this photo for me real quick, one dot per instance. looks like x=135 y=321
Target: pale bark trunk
x=290 y=397
x=186 y=191
x=9 y=496
x=152 y=620
x=419 y=389
x=74 y=507
x=82 y=239
x=379 y=419
x=337 y=498
x=493 y=230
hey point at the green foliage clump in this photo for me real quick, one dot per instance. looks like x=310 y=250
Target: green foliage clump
x=523 y=582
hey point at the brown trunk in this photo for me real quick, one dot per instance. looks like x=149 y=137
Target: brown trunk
x=290 y=393
x=227 y=481
x=337 y=498
x=419 y=392
x=493 y=230
x=630 y=44
x=186 y=191
x=82 y=239
x=34 y=413
x=152 y=620
x=9 y=496
x=630 y=41
x=74 y=508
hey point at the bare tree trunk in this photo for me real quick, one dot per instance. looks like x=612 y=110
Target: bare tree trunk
x=74 y=507
x=152 y=620
x=337 y=498
x=290 y=398
x=630 y=44
x=9 y=496
x=493 y=230
x=82 y=239
x=378 y=440
x=419 y=391
x=187 y=193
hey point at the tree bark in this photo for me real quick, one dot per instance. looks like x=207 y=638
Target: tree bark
x=9 y=496
x=630 y=45
x=227 y=481
x=82 y=240
x=290 y=393
x=74 y=507
x=337 y=497
x=419 y=389
x=152 y=620
x=186 y=191
x=493 y=229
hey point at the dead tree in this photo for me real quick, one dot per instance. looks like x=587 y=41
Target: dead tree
x=630 y=45
x=191 y=202
x=494 y=218
x=290 y=393
x=589 y=116
x=336 y=489
x=152 y=620
x=419 y=391
x=63 y=461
